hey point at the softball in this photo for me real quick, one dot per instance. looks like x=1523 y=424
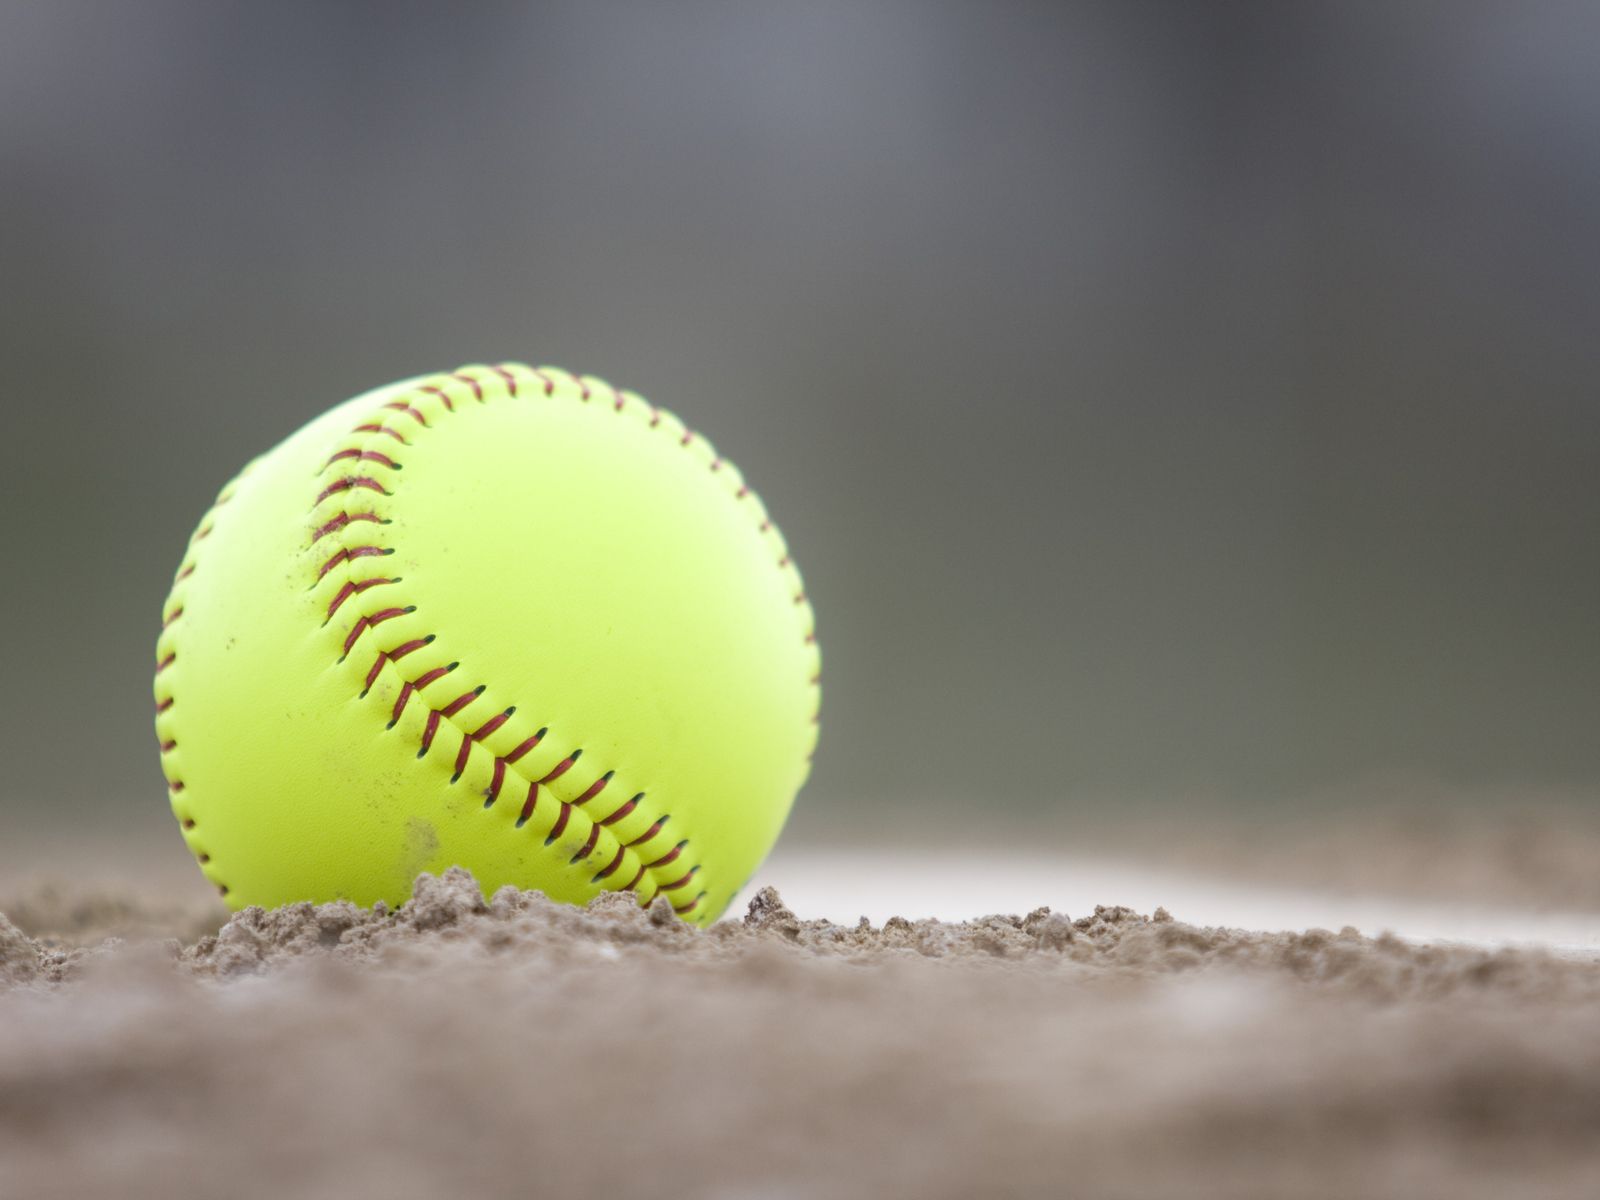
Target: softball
x=507 y=618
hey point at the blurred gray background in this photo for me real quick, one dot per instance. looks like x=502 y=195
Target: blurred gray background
x=1167 y=403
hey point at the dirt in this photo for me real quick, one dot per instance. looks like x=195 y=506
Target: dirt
x=512 y=1046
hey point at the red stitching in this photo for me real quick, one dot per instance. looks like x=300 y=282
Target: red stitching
x=432 y=674
x=429 y=730
x=340 y=521
x=400 y=703
x=652 y=831
x=351 y=483
x=677 y=884
x=449 y=710
x=461 y=701
x=624 y=810
x=528 y=744
x=176 y=787
x=681 y=909
x=477 y=389
x=405 y=648
x=634 y=882
x=374 y=427
x=588 y=846
x=492 y=792
x=493 y=723
x=528 y=804
x=616 y=861
x=595 y=788
x=511 y=380
x=561 y=823
x=394 y=655
x=562 y=767
x=483 y=731
x=402 y=406
x=372 y=456
x=352 y=587
x=450 y=405
x=461 y=757
x=346 y=553
x=670 y=856
x=365 y=623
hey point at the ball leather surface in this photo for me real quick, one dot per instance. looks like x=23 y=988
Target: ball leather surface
x=504 y=618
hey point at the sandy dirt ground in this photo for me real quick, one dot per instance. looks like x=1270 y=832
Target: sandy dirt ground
x=512 y=1047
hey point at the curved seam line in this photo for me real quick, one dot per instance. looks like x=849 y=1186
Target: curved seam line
x=407 y=404
x=166 y=655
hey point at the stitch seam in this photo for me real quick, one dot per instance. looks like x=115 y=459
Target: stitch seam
x=166 y=692
x=361 y=490
x=448 y=394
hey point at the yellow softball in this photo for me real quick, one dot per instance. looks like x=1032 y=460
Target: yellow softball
x=507 y=618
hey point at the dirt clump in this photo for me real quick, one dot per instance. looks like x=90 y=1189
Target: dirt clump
x=499 y=1045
